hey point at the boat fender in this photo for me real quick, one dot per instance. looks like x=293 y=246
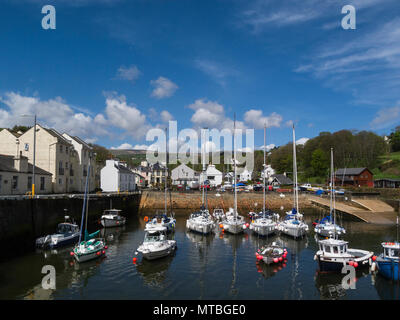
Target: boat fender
x=315 y=257
x=373 y=267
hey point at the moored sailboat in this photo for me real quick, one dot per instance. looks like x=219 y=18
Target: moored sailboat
x=293 y=224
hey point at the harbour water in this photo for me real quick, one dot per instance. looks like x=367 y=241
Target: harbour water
x=204 y=267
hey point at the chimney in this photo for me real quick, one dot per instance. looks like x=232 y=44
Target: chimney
x=21 y=163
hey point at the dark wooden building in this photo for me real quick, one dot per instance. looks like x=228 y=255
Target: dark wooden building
x=356 y=177
x=387 y=183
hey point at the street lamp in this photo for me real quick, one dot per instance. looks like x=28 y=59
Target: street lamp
x=34 y=151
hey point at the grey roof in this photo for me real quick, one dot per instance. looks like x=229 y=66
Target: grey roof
x=7 y=165
x=386 y=179
x=56 y=134
x=350 y=171
x=123 y=169
x=282 y=179
x=82 y=142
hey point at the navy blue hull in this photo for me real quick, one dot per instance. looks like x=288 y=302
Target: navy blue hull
x=389 y=269
x=64 y=243
x=325 y=266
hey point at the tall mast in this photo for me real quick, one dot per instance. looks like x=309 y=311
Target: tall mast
x=331 y=195
x=204 y=168
x=295 y=194
x=234 y=162
x=165 y=170
x=265 y=129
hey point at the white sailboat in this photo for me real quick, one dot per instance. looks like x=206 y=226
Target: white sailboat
x=91 y=247
x=327 y=227
x=234 y=223
x=293 y=224
x=263 y=224
x=162 y=219
x=201 y=221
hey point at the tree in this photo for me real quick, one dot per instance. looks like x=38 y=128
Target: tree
x=319 y=163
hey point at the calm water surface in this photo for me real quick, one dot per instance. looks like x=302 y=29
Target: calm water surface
x=203 y=267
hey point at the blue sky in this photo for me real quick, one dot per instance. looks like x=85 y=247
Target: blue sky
x=112 y=70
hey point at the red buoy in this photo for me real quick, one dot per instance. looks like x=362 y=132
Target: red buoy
x=351 y=263
x=134 y=260
x=71 y=253
x=355 y=264
x=280 y=259
x=373 y=258
x=276 y=260
x=104 y=252
x=98 y=253
x=106 y=247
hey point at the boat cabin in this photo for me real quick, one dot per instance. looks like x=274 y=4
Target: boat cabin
x=333 y=246
x=157 y=234
x=67 y=227
x=114 y=212
x=391 y=250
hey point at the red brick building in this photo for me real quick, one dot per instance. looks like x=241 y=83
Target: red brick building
x=356 y=177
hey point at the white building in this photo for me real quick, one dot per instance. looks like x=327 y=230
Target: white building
x=213 y=175
x=183 y=174
x=117 y=177
x=243 y=174
x=268 y=172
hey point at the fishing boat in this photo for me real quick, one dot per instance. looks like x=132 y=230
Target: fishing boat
x=293 y=224
x=91 y=247
x=388 y=261
x=156 y=244
x=112 y=218
x=263 y=223
x=271 y=253
x=233 y=222
x=201 y=221
x=334 y=253
x=67 y=233
x=327 y=227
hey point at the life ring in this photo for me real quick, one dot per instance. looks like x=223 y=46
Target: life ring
x=146 y=218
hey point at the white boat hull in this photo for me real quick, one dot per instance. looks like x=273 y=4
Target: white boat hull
x=109 y=223
x=293 y=230
x=200 y=227
x=232 y=227
x=157 y=252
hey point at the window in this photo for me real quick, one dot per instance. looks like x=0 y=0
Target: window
x=14 y=182
x=42 y=182
x=335 y=250
x=1 y=178
x=66 y=149
x=26 y=147
x=59 y=181
x=66 y=165
x=61 y=148
x=328 y=249
x=29 y=186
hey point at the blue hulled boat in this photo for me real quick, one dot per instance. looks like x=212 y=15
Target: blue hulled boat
x=388 y=262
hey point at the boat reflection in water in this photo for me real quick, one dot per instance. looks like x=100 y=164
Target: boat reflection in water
x=155 y=272
x=330 y=285
x=386 y=289
x=112 y=234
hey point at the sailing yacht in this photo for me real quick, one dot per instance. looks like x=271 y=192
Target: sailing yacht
x=201 y=221
x=327 y=227
x=293 y=224
x=263 y=224
x=162 y=219
x=91 y=247
x=233 y=222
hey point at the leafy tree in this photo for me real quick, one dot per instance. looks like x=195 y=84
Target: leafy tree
x=319 y=163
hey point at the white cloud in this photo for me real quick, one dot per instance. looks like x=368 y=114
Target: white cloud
x=123 y=146
x=386 y=117
x=126 y=117
x=302 y=141
x=256 y=119
x=166 y=116
x=215 y=70
x=163 y=88
x=211 y=114
x=128 y=73
x=53 y=113
x=268 y=147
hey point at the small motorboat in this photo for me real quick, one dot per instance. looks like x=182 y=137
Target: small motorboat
x=67 y=233
x=112 y=218
x=388 y=262
x=271 y=254
x=218 y=214
x=156 y=245
x=334 y=254
x=201 y=221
